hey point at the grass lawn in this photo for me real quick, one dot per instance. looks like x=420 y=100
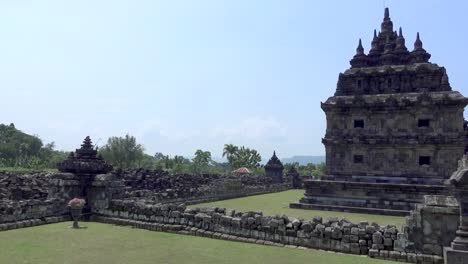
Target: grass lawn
x=278 y=203
x=103 y=244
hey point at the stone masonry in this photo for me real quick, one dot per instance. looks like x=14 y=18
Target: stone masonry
x=395 y=130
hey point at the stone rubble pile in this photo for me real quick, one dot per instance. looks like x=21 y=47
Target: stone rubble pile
x=23 y=186
x=159 y=185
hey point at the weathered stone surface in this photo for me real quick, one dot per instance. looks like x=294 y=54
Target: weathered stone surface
x=395 y=131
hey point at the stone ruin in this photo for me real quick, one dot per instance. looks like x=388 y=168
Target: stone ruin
x=85 y=160
x=274 y=169
x=155 y=200
x=395 y=130
x=294 y=176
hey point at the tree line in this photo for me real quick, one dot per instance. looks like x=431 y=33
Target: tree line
x=20 y=150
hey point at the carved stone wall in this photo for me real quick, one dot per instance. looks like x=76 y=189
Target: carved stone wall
x=394 y=113
x=395 y=132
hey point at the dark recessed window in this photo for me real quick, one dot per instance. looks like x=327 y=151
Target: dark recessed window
x=423 y=122
x=358 y=158
x=359 y=84
x=424 y=160
x=359 y=123
x=389 y=83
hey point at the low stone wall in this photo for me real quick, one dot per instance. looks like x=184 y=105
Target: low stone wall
x=332 y=234
x=33 y=222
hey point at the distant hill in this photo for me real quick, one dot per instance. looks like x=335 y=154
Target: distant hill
x=303 y=160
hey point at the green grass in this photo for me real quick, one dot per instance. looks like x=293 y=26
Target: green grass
x=21 y=169
x=108 y=244
x=278 y=203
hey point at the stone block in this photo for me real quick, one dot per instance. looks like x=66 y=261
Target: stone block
x=383 y=254
x=373 y=253
x=427 y=259
x=394 y=255
x=388 y=242
x=354 y=248
x=335 y=245
x=438 y=259
x=403 y=257
x=411 y=257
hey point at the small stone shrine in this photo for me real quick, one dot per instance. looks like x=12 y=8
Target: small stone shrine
x=395 y=130
x=85 y=160
x=274 y=169
x=86 y=163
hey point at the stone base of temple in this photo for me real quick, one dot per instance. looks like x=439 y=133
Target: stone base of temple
x=365 y=197
x=452 y=256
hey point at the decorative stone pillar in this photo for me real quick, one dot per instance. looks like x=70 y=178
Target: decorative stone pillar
x=458 y=252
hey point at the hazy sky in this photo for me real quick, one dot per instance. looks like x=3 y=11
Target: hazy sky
x=187 y=75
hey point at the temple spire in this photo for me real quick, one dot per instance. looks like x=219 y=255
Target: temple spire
x=419 y=54
x=360 y=59
x=387 y=24
x=359 y=49
x=418 y=43
x=400 y=41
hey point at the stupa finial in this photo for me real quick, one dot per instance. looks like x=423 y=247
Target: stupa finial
x=418 y=43
x=359 y=49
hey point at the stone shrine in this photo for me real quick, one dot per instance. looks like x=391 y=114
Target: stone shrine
x=274 y=169
x=86 y=163
x=395 y=130
x=85 y=160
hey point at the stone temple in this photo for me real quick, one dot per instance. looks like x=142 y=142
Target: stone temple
x=395 y=130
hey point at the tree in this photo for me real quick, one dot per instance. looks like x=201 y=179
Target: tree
x=122 y=152
x=201 y=161
x=229 y=152
x=242 y=157
x=18 y=149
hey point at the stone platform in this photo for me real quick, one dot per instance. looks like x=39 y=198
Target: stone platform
x=366 y=197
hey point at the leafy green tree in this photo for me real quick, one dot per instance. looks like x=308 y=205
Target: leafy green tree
x=245 y=157
x=201 y=161
x=16 y=147
x=123 y=152
x=20 y=150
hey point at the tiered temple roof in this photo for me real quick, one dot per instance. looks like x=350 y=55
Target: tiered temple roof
x=389 y=68
x=388 y=48
x=85 y=160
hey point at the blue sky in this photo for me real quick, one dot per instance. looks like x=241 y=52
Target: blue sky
x=187 y=75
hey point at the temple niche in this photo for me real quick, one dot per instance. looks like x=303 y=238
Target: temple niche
x=395 y=129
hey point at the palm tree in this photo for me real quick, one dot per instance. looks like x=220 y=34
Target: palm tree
x=229 y=152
